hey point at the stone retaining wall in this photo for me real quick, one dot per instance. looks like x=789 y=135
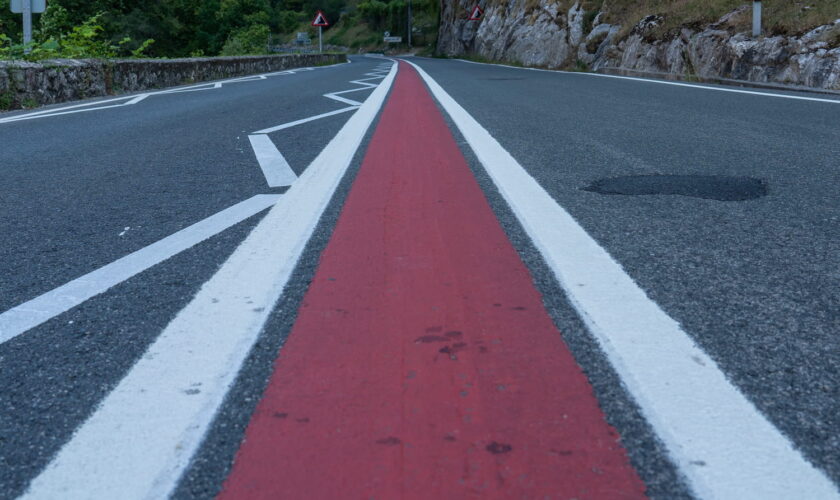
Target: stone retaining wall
x=48 y=82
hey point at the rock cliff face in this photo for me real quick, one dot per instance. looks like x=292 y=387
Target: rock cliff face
x=540 y=34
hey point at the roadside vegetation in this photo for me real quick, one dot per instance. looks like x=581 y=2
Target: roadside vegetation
x=183 y=28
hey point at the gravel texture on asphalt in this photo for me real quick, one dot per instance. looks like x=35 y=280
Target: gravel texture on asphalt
x=755 y=283
x=157 y=167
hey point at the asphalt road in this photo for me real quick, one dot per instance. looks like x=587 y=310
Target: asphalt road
x=74 y=183
x=755 y=283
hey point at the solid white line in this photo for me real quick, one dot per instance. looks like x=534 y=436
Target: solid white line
x=67 y=110
x=717 y=438
x=367 y=79
x=37 y=114
x=304 y=120
x=137 y=99
x=143 y=435
x=342 y=99
x=665 y=82
x=274 y=166
x=368 y=86
x=32 y=313
x=32 y=116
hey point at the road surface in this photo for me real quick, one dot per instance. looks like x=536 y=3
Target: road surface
x=418 y=278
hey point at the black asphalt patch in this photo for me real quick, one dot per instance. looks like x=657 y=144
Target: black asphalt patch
x=710 y=187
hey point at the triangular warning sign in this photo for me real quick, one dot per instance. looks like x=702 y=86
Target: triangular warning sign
x=477 y=14
x=320 y=19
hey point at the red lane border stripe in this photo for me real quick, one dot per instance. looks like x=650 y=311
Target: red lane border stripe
x=423 y=363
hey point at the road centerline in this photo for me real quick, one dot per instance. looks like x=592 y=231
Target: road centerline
x=422 y=363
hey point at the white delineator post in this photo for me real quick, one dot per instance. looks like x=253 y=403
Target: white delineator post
x=756 y=24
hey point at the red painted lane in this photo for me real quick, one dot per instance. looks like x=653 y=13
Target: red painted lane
x=423 y=363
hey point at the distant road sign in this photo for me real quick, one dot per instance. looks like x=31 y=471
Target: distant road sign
x=320 y=19
x=38 y=6
x=392 y=39
x=477 y=14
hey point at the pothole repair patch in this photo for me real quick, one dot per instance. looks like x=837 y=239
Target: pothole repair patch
x=710 y=187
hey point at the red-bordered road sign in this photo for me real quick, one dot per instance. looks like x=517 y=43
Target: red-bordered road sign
x=477 y=14
x=320 y=19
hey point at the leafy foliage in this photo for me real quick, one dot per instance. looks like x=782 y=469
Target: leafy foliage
x=182 y=28
x=86 y=40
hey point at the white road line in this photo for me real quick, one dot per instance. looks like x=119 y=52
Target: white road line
x=274 y=166
x=60 y=113
x=141 y=438
x=137 y=99
x=36 y=114
x=717 y=438
x=32 y=313
x=665 y=82
x=342 y=99
x=96 y=106
x=305 y=120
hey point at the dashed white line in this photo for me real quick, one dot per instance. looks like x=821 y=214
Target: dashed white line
x=141 y=438
x=32 y=313
x=721 y=443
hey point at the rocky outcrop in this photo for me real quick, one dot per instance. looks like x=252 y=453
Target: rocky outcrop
x=542 y=35
x=47 y=82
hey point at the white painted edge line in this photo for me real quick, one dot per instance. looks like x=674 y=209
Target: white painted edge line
x=717 y=438
x=75 y=106
x=96 y=106
x=60 y=113
x=304 y=120
x=137 y=99
x=32 y=313
x=274 y=166
x=663 y=82
x=141 y=438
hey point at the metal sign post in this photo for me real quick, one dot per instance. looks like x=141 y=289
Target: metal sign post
x=756 y=25
x=27 y=8
x=27 y=23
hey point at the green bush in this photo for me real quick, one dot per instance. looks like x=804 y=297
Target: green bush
x=85 y=41
x=248 y=41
